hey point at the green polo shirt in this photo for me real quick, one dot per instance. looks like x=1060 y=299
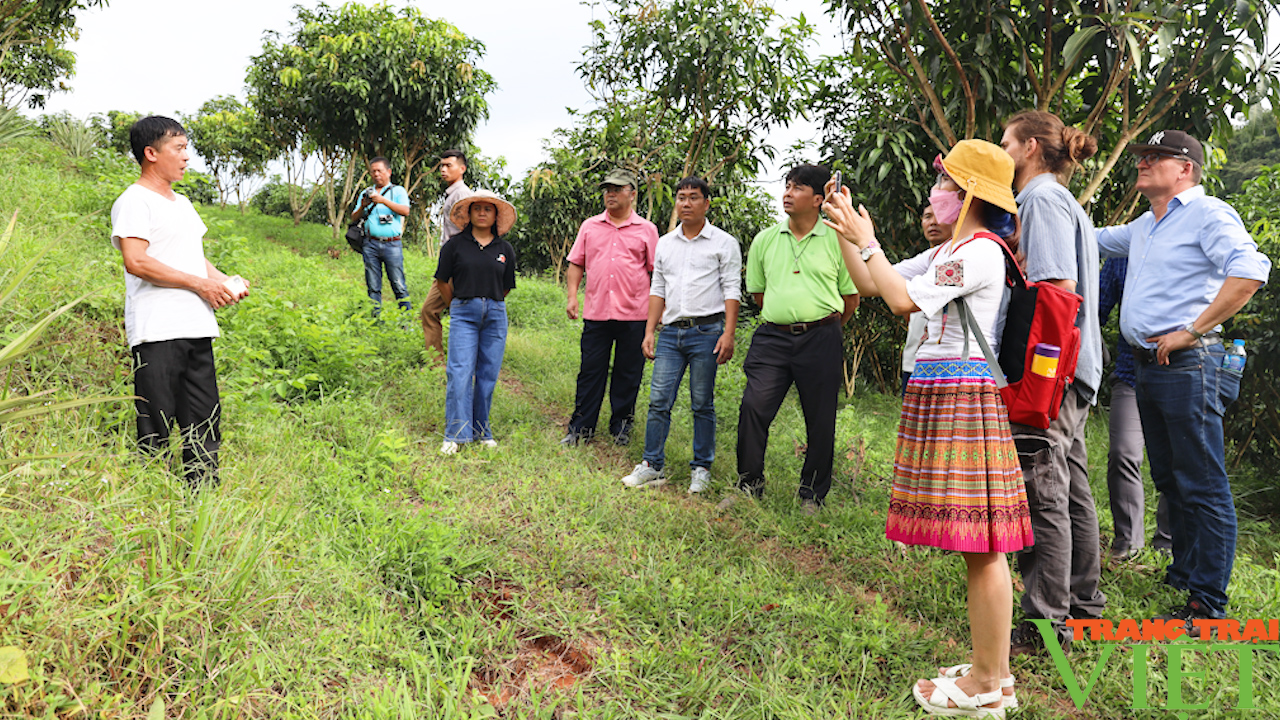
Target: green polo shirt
x=811 y=294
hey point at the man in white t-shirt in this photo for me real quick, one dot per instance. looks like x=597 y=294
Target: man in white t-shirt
x=171 y=291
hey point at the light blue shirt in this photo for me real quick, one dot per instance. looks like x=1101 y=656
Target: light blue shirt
x=1177 y=265
x=1060 y=244
x=383 y=222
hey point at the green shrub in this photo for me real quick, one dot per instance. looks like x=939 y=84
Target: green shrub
x=273 y=199
x=78 y=139
x=1253 y=425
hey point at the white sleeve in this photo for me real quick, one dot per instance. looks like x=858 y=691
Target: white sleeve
x=973 y=266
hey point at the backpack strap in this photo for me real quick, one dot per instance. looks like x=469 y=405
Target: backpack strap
x=1014 y=275
x=970 y=324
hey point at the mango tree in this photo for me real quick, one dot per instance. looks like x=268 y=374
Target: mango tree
x=34 y=60
x=700 y=80
x=366 y=81
x=229 y=136
x=917 y=76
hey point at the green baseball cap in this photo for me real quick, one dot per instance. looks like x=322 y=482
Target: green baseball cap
x=619 y=177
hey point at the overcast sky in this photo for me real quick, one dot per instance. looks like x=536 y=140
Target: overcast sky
x=170 y=56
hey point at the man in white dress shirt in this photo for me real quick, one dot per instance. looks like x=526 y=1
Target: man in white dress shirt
x=695 y=294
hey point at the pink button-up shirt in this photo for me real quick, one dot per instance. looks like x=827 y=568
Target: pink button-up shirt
x=618 y=261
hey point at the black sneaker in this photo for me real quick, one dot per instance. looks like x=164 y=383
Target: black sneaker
x=1026 y=640
x=1189 y=613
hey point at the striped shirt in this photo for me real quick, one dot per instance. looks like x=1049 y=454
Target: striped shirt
x=695 y=276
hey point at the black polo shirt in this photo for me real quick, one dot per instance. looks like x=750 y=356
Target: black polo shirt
x=476 y=271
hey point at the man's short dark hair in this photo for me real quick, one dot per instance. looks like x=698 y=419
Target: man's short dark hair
x=385 y=162
x=150 y=130
x=695 y=182
x=815 y=176
x=454 y=154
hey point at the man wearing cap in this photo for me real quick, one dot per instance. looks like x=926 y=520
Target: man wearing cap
x=383 y=207
x=1061 y=572
x=1192 y=265
x=796 y=274
x=696 y=292
x=453 y=165
x=615 y=250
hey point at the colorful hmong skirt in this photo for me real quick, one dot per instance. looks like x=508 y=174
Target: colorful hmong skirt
x=957 y=484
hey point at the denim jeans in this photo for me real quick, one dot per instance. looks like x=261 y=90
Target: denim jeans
x=477 y=338
x=679 y=348
x=378 y=253
x=1182 y=405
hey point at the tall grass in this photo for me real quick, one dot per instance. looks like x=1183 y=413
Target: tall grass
x=346 y=570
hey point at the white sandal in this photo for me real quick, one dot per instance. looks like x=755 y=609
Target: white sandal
x=959 y=671
x=944 y=689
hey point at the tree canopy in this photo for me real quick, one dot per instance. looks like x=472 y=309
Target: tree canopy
x=33 y=58
x=373 y=81
x=693 y=86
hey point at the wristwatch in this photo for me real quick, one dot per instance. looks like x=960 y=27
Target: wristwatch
x=1191 y=328
x=870 y=250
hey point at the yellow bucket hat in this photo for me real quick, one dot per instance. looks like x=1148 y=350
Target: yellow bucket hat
x=984 y=170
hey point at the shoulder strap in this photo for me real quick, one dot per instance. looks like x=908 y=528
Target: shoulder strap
x=1014 y=276
x=969 y=324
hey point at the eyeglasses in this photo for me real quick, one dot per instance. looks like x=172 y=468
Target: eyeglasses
x=1151 y=158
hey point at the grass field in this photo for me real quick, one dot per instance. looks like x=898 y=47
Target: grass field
x=346 y=570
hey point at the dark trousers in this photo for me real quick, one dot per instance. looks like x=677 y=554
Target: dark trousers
x=600 y=338
x=776 y=360
x=175 y=380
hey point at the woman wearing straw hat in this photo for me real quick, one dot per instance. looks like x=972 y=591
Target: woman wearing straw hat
x=957 y=482
x=476 y=271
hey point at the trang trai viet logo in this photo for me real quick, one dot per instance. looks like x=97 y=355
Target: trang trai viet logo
x=1140 y=636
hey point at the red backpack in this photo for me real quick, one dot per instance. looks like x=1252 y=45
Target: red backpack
x=1040 y=313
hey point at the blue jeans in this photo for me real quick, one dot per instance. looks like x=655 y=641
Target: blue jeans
x=477 y=338
x=1182 y=405
x=679 y=348
x=378 y=253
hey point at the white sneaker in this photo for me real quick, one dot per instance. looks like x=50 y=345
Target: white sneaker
x=700 y=480
x=645 y=476
x=449 y=448
x=490 y=443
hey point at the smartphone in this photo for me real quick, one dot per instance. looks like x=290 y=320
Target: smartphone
x=838 y=178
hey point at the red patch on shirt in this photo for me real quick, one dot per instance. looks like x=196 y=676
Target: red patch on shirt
x=950 y=273
x=502 y=258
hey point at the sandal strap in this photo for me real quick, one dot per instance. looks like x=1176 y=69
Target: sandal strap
x=959 y=671
x=946 y=689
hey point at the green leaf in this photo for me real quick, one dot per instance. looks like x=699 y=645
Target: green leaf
x=1076 y=43
x=13 y=665
x=157 y=709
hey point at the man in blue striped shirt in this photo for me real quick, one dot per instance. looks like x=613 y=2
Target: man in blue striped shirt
x=1192 y=265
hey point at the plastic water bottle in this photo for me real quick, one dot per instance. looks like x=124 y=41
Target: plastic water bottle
x=1234 y=361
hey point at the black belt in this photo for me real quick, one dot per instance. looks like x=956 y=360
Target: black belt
x=804 y=327
x=1147 y=357
x=694 y=322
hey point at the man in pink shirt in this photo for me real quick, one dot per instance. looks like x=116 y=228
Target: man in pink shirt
x=615 y=249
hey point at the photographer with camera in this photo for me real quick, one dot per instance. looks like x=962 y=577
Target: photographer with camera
x=383 y=207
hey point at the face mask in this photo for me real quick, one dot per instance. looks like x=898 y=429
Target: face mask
x=946 y=205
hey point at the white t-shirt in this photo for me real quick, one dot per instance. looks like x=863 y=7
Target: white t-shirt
x=175 y=236
x=973 y=269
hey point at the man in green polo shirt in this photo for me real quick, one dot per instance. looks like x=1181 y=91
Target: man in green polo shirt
x=796 y=274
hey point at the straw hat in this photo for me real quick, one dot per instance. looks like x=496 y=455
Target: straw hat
x=461 y=213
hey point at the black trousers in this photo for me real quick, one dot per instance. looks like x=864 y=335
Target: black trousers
x=600 y=338
x=775 y=361
x=175 y=380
